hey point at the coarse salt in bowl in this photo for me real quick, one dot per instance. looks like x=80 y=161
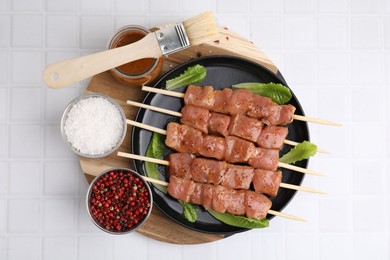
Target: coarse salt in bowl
x=94 y=125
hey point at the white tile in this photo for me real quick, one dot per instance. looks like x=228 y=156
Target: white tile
x=333 y=6
x=62 y=31
x=388 y=143
x=3 y=104
x=332 y=68
x=367 y=108
x=365 y=6
x=235 y=23
x=366 y=68
x=31 y=248
x=59 y=248
x=371 y=246
x=335 y=214
x=386 y=7
x=373 y=147
x=25 y=178
x=3 y=247
x=24 y=215
x=95 y=31
x=163 y=250
x=3 y=5
x=339 y=98
x=3 y=141
x=25 y=141
x=135 y=238
x=263 y=246
x=231 y=6
x=59 y=215
x=26 y=104
x=3 y=178
x=363 y=219
x=386 y=36
x=332 y=33
x=338 y=177
x=26 y=5
x=363 y=180
x=299 y=68
x=164 y=6
x=268 y=32
x=62 y=6
x=121 y=21
x=94 y=6
x=5 y=30
x=226 y=248
x=298 y=6
x=27 y=66
x=55 y=102
x=365 y=32
x=265 y=6
x=294 y=249
x=201 y=6
x=3 y=216
x=328 y=249
x=94 y=247
x=299 y=32
x=56 y=56
x=60 y=178
x=130 y=6
x=336 y=140
x=23 y=35
x=3 y=67
x=55 y=146
x=307 y=208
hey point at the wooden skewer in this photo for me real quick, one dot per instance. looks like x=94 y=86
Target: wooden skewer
x=280 y=164
x=272 y=212
x=165 y=162
x=181 y=95
x=178 y=114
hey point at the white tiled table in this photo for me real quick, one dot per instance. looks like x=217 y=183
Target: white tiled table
x=335 y=54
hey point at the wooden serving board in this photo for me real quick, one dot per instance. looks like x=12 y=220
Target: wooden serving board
x=158 y=226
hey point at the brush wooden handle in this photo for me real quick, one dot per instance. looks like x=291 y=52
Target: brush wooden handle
x=64 y=73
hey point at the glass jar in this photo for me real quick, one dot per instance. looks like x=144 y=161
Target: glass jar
x=139 y=72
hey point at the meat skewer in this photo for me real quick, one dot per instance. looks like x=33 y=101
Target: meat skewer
x=270 y=137
x=256 y=205
x=216 y=172
x=243 y=101
x=184 y=139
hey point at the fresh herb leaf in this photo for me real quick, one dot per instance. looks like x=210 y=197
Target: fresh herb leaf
x=190 y=211
x=239 y=221
x=191 y=75
x=155 y=149
x=158 y=145
x=300 y=152
x=275 y=91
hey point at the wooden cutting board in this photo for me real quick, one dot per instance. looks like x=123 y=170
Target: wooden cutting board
x=158 y=226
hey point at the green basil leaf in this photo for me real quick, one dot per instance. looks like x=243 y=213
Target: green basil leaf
x=190 y=211
x=275 y=91
x=155 y=150
x=191 y=75
x=300 y=152
x=239 y=221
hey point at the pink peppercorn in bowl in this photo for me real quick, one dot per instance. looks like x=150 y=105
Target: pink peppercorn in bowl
x=119 y=201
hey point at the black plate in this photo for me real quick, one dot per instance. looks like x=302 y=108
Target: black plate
x=222 y=72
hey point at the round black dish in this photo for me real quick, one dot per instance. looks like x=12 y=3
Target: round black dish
x=222 y=72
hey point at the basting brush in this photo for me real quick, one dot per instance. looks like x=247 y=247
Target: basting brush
x=194 y=31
